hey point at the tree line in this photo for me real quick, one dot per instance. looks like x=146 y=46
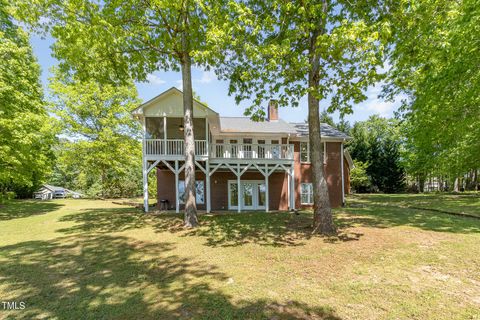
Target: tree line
x=330 y=51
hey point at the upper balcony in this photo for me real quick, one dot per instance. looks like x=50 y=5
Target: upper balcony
x=174 y=149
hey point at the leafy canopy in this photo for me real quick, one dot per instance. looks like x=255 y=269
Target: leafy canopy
x=26 y=130
x=103 y=156
x=268 y=56
x=436 y=61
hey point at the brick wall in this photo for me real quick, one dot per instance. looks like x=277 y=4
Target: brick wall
x=278 y=182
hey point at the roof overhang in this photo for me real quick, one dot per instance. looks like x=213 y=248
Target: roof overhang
x=171 y=108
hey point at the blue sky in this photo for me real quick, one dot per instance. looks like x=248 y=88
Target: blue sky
x=215 y=92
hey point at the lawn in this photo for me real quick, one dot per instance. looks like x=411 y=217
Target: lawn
x=71 y=259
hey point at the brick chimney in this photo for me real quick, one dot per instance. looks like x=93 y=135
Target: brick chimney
x=272 y=110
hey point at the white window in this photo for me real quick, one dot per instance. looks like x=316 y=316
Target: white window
x=306 y=193
x=305 y=152
x=199 y=195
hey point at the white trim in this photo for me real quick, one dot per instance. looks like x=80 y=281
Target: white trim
x=325 y=155
x=164 y=133
x=255 y=201
x=177 y=202
x=308 y=151
x=310 y=196
x=144 y=171
x=207 y=181
x=292 y=189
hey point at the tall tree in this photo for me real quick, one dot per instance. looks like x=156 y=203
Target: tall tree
x=26 y=131
x=378 y=143
x=435 y=61
x=116 y=40
x=96 y=117
x=326 y=50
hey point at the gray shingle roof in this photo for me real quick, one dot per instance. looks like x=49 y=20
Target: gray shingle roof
x=53 y=188
x=325 y=129
x=243 y=124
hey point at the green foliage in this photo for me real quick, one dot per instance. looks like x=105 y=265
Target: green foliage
x=377 y=141
x=26 y=130
x=359 y=179
x=436 y=61
x=115 y=41
x=103 y=155
x=272 y=44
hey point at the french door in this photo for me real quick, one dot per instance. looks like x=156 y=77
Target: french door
x=252 y=195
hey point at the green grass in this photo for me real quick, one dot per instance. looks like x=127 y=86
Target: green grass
x=71 y=259
x=467 y=203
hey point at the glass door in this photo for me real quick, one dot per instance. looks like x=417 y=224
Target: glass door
x=252 y=195
x=232 y=195
x=261 y=198
x=248 y=194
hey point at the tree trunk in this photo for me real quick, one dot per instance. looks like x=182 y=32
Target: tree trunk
x=475 y=180
x=322 y=214
x=456 y=185
x=191 y=219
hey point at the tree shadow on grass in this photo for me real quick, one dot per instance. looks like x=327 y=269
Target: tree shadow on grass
x=105 y=220
x=26 y=208
x=107 y=277
x=275 y=229
x=226 y=230
x=390 y=216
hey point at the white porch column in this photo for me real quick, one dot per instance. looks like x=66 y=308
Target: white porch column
x=207 y=175
x=292 y=188
x=289 y=189
x=145 y=168
x=239 y=206
x=177 y=200
x=267 y=190
x=207 y=144
x=343 y=178
x=145 y=185
x=164 y=133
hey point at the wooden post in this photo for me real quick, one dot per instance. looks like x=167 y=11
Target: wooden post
x=177 y=200
x=207 y=175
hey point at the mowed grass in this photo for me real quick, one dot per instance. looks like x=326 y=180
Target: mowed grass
x=86 y=259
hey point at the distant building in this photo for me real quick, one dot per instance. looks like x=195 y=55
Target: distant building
x=47 y=192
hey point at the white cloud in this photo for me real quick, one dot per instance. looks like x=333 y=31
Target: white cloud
x=153 y=79
x=179 y=85
x=207 y=77
x=382 y=108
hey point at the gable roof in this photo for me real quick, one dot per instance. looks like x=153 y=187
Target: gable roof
x=244 y=125
x=326 y=130
x=53 y=188
x=172 y=90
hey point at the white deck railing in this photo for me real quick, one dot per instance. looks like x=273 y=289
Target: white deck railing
x=251 y=151
x=175 y=147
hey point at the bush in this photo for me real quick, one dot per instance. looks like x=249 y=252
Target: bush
x=7 y=196
x=359 y=179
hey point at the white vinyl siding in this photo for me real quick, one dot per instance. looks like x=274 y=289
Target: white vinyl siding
x=306 y=193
